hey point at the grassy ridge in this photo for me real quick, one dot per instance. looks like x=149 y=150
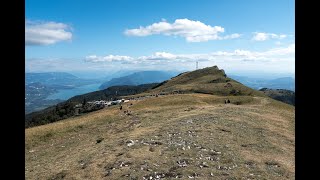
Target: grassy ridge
x=209 y=80
x=189 y=134
x=251 y=140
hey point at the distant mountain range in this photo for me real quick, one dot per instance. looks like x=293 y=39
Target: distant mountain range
x=35 y=97
x=142 y=77
x=207 y=81
x=204 y=81
x=258 y=83
x=58 y=79
x=40 y=85
x=283 y=95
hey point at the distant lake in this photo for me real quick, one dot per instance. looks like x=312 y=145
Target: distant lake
x=68 y=93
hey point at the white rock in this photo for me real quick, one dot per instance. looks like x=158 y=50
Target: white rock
x=130 y=143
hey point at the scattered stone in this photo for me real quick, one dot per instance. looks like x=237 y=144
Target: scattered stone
x=233 y=166
x=224 y=130
x=130 y=143
x=154 y=175
x=214 y=153
x=250 y=164
x=156 y=143
x=83 y=164
x=151 y=149
x=222 y=167
x=203 y=165
x=182 y=163
x=99 y=140
x=125 y=175
x=125 y=163
x=108 y=173
x=247 y=145
x=214 y=158
x=120 y=154
x=225 y=174
x=144 y=166
x=194 y=175
x=272 y=163
x=189 y=121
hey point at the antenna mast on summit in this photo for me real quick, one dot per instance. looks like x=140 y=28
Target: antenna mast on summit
x=197 y=65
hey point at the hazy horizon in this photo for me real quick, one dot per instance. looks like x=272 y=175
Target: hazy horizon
x=104 y=74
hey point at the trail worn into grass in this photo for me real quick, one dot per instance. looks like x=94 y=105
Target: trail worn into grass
x=175 y=136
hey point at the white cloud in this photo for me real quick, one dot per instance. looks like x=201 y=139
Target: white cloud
x=45 y=33
x=232 y=36
x=159 y=56
x=53 y=64
x=278 y=43
x=280 y=51
x=108 y=58
x=162 y=56
x=192 y=31
x=236 y=55
x=274 y=60
x=261 y=36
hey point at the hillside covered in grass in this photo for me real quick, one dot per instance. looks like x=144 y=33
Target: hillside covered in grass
x=210 y=80
x=188 y=134
x=67 y=109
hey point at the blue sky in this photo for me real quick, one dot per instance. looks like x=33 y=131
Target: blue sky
x=100 y=35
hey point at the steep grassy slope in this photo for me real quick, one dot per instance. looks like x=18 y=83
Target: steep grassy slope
x=174 y=136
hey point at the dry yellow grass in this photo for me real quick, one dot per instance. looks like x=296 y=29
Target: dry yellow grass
x=213 y=140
